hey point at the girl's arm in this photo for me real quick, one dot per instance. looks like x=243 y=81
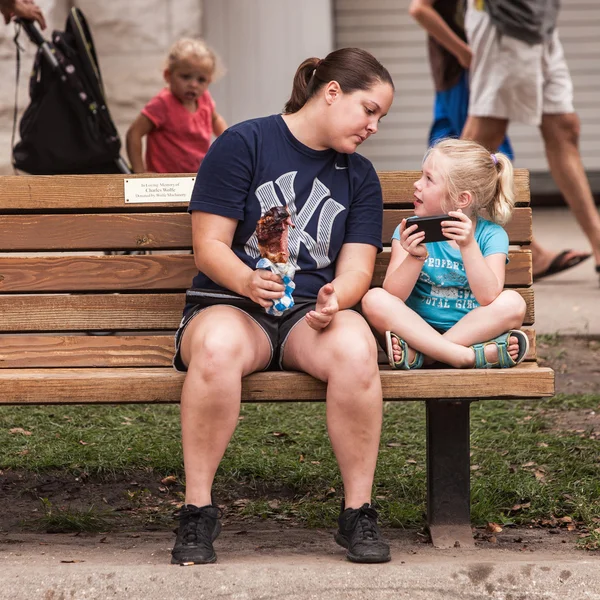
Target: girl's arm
x=485 y=275
x=406 y=262
x=424 y=13
x=212 y=237
x=141 y=127
x=218 y=124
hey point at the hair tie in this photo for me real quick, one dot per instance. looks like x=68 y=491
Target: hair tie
x=495 y=159
x=318 y=63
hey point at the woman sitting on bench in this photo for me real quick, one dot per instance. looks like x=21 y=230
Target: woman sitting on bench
x=303 y=160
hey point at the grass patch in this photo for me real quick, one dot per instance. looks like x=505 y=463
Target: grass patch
x=61 y=520
x=280 y=464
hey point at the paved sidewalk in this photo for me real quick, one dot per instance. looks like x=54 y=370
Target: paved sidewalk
x=567 y=303
x=305 y=565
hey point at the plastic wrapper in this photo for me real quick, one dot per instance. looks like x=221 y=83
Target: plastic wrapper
x=286 y=272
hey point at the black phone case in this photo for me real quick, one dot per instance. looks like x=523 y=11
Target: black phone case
x=432 y=226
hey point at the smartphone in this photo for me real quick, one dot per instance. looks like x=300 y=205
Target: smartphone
x=432 y=226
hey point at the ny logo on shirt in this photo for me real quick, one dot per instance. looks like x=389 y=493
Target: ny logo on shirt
x=329 y=209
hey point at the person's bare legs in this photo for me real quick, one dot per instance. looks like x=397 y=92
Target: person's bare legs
x=220 y=346
x=388 y=313
x=561 y=141
x=344 y=355
x=487 y=131
x=490 y=132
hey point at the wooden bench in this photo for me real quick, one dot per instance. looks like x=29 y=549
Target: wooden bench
x=57 y=283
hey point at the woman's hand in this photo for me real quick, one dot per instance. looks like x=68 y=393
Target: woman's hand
x=461 y=231
x=413 y=242
x=327 y=306
x=263 y=286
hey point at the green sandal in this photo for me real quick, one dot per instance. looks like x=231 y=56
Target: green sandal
x=501 y=342
x=403 y=363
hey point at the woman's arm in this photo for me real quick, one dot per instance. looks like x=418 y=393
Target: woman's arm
x=212 y=237
x=424 y=13
x=218 y=124
x=353 y=274
x=141 y=127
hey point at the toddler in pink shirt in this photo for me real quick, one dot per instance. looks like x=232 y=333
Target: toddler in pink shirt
x=179 y=121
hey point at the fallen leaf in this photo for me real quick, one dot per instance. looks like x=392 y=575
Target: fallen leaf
x=19 y=430
x=528 y=464
x=83 y=443
x=542 y=445
x=566 y=520
x=493 y=528
x=169 y=480
x=315 y=462
x=301 y=458
x=274 y=504
x=410 y=461
x=279 y=434
x=475 y=467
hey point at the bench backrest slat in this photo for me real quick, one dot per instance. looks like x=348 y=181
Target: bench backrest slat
x=105 y=192
x=152 y=231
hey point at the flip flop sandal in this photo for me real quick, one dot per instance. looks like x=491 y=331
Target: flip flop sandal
x=559 y=264
x=403 y=363
x=501 y=342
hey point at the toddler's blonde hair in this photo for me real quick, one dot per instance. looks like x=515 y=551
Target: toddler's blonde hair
x=488 y=177
x=196 y=48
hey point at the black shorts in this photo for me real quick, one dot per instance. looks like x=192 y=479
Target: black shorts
x=277 y=329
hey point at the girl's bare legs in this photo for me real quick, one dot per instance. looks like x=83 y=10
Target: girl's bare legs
x=220 y=346
x=387 y=312
x=344 y=355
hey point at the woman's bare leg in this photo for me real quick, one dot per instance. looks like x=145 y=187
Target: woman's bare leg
x=344 y=355
x=220 y=346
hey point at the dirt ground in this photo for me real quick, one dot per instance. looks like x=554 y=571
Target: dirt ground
x=143 y=504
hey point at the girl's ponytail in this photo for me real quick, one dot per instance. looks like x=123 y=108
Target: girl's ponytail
x=501 y=207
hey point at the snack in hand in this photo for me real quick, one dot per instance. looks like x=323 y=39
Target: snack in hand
x=272 y=234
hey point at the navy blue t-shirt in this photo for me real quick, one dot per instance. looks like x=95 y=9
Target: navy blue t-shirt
x=332 y=198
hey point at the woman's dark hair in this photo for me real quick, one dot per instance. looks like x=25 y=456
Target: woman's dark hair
x=353 y=68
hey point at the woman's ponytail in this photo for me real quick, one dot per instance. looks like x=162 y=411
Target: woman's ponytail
x=303 y=81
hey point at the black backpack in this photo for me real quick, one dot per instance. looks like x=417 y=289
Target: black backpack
x=67 y=128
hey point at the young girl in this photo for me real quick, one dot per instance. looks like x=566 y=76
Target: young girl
x=180 y=121
x=440 y=301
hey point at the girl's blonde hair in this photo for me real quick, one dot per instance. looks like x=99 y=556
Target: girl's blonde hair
x=488 y=177
x=195 y=48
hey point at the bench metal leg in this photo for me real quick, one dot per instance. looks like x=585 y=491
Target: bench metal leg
x=448 y=474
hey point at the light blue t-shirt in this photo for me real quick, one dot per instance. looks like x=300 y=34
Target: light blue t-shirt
x=442 y=295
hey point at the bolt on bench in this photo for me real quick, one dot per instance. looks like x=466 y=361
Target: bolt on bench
x=57 y=284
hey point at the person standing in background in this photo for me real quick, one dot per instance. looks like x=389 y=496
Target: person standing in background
x=449 y=59
x=519 y=73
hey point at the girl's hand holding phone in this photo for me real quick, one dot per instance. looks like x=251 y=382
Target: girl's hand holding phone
x=412 y=240
x=461 y=231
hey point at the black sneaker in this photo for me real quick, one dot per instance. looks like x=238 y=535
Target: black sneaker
x=198 y=529
x=359 y=533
